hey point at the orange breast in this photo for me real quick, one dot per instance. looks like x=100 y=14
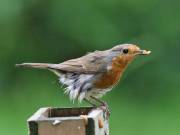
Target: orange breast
x=111 y=77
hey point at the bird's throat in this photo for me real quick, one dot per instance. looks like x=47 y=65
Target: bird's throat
x=111 y=78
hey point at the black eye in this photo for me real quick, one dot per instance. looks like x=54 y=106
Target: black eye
x=125 y=51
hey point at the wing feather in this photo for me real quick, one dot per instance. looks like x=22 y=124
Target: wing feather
x=89 y=64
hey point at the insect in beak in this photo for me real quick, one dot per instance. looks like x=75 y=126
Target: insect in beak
x=143 y=52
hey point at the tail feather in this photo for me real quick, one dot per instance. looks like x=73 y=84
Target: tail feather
x=41 y=66
x=35 y=65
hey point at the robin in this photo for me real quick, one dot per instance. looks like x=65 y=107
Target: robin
x=91 y=76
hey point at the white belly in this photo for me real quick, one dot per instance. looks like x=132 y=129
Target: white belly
x=81 y=86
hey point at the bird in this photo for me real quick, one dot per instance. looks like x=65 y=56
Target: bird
x=91 y=76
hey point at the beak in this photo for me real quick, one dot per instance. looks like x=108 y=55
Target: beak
x=144 y=52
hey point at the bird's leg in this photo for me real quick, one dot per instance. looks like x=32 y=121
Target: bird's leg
x=90 y=102
x=103 y=105
x=99 y=101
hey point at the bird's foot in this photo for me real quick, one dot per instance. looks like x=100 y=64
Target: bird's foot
x=104 y=106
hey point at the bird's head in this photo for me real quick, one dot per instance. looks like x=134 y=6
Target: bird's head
x=125 y=53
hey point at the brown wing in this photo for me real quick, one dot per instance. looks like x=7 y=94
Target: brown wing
x=91 y=63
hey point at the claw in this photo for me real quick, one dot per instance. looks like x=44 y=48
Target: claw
x=104 y=106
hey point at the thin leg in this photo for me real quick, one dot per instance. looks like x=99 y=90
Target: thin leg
x=90 y=102
x=98 y=100
x=104 y=106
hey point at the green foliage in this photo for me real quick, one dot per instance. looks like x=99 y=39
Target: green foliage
x=147 y=100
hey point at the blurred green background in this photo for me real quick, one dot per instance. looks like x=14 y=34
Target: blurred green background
x=146 y=102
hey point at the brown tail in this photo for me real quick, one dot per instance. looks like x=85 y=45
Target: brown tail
x=35 y=65
x=41 y=66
